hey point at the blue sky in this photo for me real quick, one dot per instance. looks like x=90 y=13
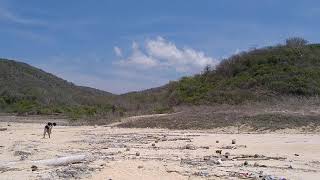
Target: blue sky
x=126 y=45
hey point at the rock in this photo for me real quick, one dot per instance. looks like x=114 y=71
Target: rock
x=217 y=141
x=140 y=167
x=190 y=147
x=219 y=151
x=34 y=168
x=246 y=163
x=219 y=161
x=156 y=141
x=256 y=156
x=153 y=144
x=233 y=141
x=20 y=153
x=164 y=139
x=137 y=154
x=296 y=154
x=226 y=155
x=3 y=129
x=290 y=167
x=23 y=157
x=205 y=147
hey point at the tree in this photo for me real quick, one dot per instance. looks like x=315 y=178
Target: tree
x=296 y=42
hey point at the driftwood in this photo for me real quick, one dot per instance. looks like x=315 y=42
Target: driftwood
x=62 y=161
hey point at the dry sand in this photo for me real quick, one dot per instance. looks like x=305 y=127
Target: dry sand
x=111 y=153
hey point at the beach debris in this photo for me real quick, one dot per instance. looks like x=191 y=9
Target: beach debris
x=205 y=147
x=34 y=168
x=233 y=141
x=214 y=161
x=190 y=147
x=201 y=173
x=245 y=163
x=74 y=171
x=62 y=161
x=23 y=154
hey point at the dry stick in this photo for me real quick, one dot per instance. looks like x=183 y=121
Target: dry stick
x=62 y=161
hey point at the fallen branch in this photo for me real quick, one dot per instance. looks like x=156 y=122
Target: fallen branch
x=62 y=161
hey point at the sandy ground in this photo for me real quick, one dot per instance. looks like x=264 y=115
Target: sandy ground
x=114 y=153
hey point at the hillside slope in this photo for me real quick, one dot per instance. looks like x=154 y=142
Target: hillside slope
x=257 y=75
x=24 y=88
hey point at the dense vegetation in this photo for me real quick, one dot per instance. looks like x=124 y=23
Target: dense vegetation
x=292 y=69
x=28 y=90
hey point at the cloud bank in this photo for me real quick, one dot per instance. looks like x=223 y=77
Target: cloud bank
x=160 y=53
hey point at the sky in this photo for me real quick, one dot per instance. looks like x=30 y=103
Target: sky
x=126 y=45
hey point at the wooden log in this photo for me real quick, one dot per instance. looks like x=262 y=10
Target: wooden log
x=62 y=161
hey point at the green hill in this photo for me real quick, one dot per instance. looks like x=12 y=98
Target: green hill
x=26 y=89
x=257 y=75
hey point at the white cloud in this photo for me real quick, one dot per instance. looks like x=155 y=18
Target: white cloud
x=138 y=59
x=160 y=53
x=118 y=51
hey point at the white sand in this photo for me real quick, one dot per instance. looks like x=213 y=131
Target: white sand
x=106 y=148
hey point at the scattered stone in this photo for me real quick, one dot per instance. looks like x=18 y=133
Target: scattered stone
x=226 y=155
x=296 y=154
x=246 y=163
x=218 y=151
x=34 y=168
x=137 y=154
x=256 y=156
x=23 y=157
x=217 y=141
x=218 y=162
x=229 y=147
x=205 y=147
x=233 y=141
x=140 y=167
x=164 y=139
x=190 y=147
x=290 y=167
x=156 y=141
x=3 y=129
x=153 y=144
x=20 y=153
